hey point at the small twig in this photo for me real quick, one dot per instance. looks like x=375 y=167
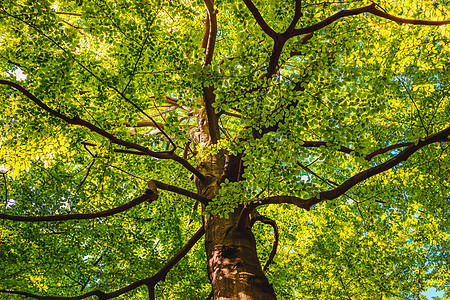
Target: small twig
x=414 y=102
x=132 y=175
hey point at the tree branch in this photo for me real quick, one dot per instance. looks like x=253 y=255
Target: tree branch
x=372 y=9
x=180 y=191
x=386 y=149
x=355 y=179
x=150 y=196
x=208 y=91
x=297 y=15
x=137 y=60
x=260 y=20
x=276 y=236
x=80 y=122
x=150 y=282
x=211 y=27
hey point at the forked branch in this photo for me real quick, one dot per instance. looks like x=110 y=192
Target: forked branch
x=260 y=20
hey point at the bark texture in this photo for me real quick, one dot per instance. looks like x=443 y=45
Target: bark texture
x=234 y=269
x=233 y=266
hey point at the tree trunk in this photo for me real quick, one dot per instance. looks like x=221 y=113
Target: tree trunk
x=233 y=265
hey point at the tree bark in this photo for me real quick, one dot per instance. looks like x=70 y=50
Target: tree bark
x=233 y=266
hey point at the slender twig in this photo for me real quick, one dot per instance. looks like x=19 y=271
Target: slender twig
x=86 y=176
x=414 y=102
x=137 y=61
x=83 y=286
x=67 y=13
x=122 y=170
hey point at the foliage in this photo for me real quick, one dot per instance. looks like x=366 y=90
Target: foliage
x=348 y=98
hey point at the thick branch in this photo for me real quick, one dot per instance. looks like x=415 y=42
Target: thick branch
x=150 y=281
x=276 y=235
x=208 y=91
x=161 y=275
x=149 y=196
x=211 y=27
x=354 y=180
x=180 y=191
x=297 y=15
x=259 y=19
x=366 y=9
x=80 y=122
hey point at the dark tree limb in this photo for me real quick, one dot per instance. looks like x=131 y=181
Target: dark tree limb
x=297 y=15
x=211 y=27
x=150 y=282
x=372 y=9
x=280 y=39
x=180 y=191
x=209 y=43
x=113 y=139
x=260 y=20
x=354 y=180
x=119 y=150
x=386 y=149
x=149 y=196
x=276 y=236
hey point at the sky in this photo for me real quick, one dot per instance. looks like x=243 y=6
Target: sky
x=433 y=293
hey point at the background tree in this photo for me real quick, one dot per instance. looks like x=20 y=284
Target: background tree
x=316 y=131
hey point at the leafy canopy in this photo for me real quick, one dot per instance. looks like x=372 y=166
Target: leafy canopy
x=117 y=86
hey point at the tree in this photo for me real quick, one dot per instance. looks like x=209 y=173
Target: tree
x=140 y=126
